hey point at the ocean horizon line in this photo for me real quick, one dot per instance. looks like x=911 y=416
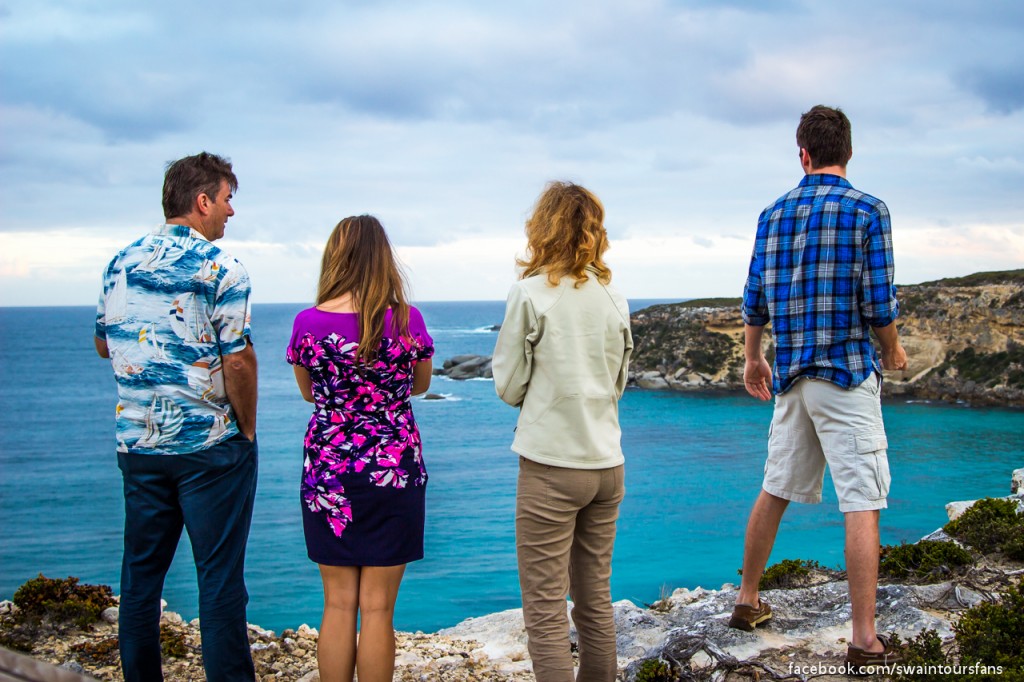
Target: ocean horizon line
x=662 y=299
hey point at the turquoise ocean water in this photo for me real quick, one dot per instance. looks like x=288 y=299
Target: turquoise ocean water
x=693 y=469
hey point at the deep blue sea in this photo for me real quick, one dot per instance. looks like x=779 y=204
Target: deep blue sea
x=693 y=469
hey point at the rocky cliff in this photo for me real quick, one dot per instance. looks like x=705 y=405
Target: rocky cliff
x=689 y=626
x=964 y=339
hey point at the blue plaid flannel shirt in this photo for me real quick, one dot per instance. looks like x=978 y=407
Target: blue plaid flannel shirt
x=822 y=273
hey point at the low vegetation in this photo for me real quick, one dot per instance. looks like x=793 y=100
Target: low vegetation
x=980 y=279
x=711 y=303
x=991 y=525
x=788 y=574
x=63 y=600
x=925 y=561
x=985 y=635
x=988 y=369
x=654 y=670
x=99 y=653
x=47 y=605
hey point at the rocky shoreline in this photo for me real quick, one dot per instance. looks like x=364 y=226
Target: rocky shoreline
x=809 y=629
x=964 y=339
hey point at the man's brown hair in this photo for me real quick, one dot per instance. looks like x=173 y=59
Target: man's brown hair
x=825 y=133
x=191 y=176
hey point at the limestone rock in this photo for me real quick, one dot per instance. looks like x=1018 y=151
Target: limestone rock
x=651 y=380
x=810 y=626
x=462 y=367
x=171 y=617
x=306 y=632
x=955 y=509
x=964 y=340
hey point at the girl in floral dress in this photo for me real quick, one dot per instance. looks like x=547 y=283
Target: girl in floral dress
x=359 y=355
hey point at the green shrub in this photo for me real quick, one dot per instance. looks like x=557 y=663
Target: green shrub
x=787 y=574
x=654 y=670
x=986 y=635
x=99 y=653
x=172 y=642
x=925 y=560
x=711 y=303
x=987 y=369
x=1014 y=547
x=62 y=601
x=980 y=279
x=991 y=525
x=922 y=651
x=990 y=633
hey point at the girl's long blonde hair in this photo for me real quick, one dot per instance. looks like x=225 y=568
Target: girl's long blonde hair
x=358 y=260
x=566 y=234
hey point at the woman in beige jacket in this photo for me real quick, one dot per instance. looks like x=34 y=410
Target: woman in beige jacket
x=562 y=357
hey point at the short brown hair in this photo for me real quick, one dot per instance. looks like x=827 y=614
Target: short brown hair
x=187 y=178
x=565 y=234
x=825 y=133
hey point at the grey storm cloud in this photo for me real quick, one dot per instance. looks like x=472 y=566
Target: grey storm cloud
x=1002 y=90
x=431 y=109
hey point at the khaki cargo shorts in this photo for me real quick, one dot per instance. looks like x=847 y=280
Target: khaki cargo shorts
x=817 y=422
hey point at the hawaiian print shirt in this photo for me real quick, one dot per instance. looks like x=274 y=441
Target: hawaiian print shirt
x=173 y=305
x=822 y=272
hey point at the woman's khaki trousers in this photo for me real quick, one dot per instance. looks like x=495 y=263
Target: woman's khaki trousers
x=565 y=532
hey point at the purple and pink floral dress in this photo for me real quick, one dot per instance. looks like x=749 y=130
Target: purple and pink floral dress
x=363 y=478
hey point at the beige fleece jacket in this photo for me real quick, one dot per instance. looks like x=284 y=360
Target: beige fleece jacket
x=562 y=356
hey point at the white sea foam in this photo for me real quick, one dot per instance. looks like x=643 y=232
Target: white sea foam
x=475 y=330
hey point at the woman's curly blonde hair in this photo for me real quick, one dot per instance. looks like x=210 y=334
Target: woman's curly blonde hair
x=565 y=235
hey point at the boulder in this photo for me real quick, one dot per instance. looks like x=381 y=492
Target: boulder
x=651 y=380
x=462 y=367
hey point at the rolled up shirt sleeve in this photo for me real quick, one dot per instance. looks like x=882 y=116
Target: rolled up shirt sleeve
x=755 y=303
x=878 y=304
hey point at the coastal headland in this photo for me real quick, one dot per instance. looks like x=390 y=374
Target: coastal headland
x=964 y=339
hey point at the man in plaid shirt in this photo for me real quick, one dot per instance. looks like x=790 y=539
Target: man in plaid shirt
x=822 y=273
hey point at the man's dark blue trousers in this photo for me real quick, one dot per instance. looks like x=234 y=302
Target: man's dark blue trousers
x=210 y=493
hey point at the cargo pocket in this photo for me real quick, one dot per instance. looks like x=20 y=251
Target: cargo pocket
x=771 y=429
x=874 y=476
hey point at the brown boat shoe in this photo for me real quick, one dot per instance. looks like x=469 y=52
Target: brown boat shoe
x=861 y=662
x=747 y=617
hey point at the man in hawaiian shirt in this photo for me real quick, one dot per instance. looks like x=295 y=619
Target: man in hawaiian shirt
x=822 y=273
x=174 y=321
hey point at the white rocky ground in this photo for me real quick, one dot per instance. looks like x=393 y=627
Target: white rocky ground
x=810 y=627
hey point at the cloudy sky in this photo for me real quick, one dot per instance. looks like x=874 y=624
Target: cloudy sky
x=445 y=119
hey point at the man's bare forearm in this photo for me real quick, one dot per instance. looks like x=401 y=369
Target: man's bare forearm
x=888 y=336
x=893 y=355
x=752 y=342
x=240 y=383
